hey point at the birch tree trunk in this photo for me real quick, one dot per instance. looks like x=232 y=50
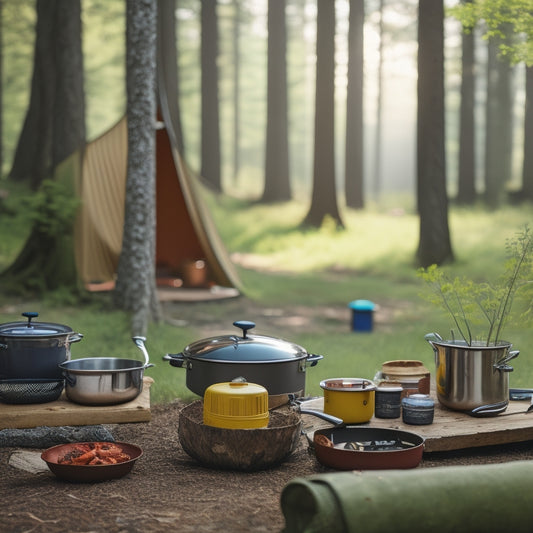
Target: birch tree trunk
x=135 y=289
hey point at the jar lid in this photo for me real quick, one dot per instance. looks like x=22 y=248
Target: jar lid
x=404 y=367
x=421 y=401
x=384 y=388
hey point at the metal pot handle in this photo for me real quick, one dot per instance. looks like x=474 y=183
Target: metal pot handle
x=139 y=342
x=313 y=359
x=175 y=359
x=75 y=337
x=432 y=337
x=71 y=380
x=502 y=365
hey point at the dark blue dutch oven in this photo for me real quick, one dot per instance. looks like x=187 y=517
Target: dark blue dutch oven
x=33 y=350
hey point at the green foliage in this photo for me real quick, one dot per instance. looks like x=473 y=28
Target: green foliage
x=480 y=310
x=497 y=15
x=52 y=208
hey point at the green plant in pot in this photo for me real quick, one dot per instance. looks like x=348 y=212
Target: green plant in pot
x=472 y=370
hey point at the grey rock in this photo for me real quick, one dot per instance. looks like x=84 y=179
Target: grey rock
x=44 y=436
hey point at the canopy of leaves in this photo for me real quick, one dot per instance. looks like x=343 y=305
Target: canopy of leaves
x=497 y=16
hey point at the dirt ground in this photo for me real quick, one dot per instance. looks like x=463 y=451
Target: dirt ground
x=169 y=491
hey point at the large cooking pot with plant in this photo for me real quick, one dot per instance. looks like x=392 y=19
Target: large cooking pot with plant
x=33 y=350
x=473 y=378
x=278 y=365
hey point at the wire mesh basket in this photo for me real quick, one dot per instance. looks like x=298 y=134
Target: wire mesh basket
x=25 y=391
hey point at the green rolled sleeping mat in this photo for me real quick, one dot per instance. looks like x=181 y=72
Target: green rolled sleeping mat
x=469 y=499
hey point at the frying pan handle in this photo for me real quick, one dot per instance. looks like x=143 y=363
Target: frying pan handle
x=324 y=416
x=175 y=359
x=293 y=402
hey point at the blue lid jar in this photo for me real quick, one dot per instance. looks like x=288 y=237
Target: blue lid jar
x=418 y=409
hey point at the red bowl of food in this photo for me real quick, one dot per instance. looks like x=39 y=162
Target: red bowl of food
x=91 y=461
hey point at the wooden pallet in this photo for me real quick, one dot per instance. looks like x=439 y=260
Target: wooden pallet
x=452 y=430
x=63 y=412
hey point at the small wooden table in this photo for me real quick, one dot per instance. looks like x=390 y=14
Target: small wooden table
x=451 y=430
x=63 y=412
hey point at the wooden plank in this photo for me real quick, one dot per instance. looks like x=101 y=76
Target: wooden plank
x=452 y=430
x=66 y=413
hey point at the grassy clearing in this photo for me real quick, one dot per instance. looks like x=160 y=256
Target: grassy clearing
x=372 y=258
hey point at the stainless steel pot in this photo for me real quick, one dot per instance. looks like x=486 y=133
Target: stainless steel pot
x=474 y=378
x=105 y=380
x=277 y=365
x=33 y=350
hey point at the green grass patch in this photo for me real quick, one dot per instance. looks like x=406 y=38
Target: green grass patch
x=284 y=266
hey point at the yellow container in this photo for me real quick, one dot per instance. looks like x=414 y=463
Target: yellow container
x=351 y=399
x=236 y=405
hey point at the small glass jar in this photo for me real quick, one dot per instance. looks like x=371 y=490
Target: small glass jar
x=388 y=402
x=418 y=409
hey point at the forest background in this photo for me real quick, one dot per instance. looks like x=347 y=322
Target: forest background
x=390 y=122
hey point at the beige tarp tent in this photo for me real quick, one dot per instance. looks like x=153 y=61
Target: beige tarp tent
x=185 y=231
x=186 y=236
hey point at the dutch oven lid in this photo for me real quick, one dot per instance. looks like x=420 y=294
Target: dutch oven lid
x=246 y=348
x=32 y=329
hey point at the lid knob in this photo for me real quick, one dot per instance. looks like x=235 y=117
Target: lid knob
x=245 y=325
x=29 y=315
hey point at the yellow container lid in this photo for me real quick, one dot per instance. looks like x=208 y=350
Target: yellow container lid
x=236 y=405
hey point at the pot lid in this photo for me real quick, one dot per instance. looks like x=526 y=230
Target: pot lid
x=32 y=329
x=244 y=349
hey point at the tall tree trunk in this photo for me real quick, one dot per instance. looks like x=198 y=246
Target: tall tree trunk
x=54 y=127
x=354 y=167
x=466 y=191
x=236 y=88
x=324 y=195
x=1 y=90
x=135 y=289
x=167 y=65
x=376 y=185
x=499 y=126
x=277 y=183
x=50 y=146
x=434 y=244
x=527 y=169
x=210 y=157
